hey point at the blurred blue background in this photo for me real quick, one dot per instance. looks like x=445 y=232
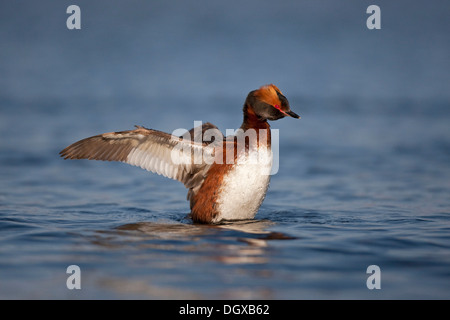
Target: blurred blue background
x=364 y=176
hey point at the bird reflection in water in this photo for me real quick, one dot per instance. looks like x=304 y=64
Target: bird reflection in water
x=223 y=242
x=170 y=255
x=232 y=242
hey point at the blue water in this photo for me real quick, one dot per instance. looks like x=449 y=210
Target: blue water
x=364 y=176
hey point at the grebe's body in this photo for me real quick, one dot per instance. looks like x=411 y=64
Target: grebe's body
x=231 y=185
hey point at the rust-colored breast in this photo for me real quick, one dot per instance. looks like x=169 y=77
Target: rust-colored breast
x=204 y=203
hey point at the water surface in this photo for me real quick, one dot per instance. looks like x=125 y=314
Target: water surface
x=364 y=176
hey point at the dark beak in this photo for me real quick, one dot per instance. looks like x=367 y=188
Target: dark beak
x=292 y=114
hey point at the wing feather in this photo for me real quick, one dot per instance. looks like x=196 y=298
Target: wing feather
x=152 y=150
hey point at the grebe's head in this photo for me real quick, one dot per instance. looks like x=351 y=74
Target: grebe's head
x=268 y=103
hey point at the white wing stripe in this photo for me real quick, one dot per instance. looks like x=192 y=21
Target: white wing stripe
x=154 y=161
x=163 y=160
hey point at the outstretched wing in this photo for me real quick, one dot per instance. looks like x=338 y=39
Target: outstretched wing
x=152 y=150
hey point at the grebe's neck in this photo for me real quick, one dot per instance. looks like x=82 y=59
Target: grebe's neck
x=261 y=126
x=252 y=121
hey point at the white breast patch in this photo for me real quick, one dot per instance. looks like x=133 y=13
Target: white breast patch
x=244 y=186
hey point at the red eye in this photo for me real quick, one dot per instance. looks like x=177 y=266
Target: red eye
x=279 y=108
